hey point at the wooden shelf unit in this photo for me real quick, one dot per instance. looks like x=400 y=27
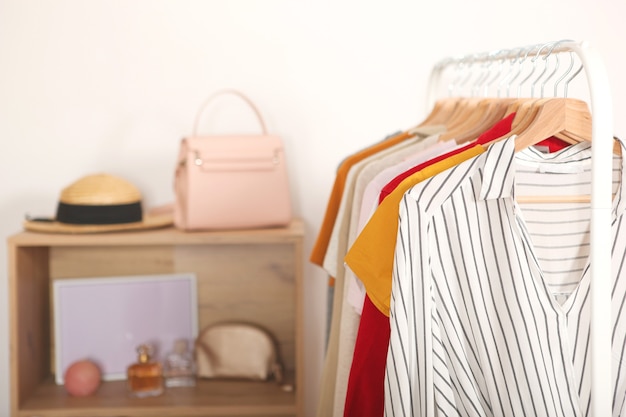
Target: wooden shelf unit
x=245 y=275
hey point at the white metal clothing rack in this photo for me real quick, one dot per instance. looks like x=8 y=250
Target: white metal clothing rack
x=600 y=256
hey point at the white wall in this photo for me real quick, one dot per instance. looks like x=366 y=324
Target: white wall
x=113 y=85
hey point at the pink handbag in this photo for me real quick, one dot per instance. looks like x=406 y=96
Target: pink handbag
x=231 y=181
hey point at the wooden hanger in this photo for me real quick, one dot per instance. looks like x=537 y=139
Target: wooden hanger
x=464 y=109
x=565 y=118
x=449 y=112
x=488 y=112
x=441 y=112
x=525 y=110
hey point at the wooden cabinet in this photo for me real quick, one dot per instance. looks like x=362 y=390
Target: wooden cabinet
x=251 y=275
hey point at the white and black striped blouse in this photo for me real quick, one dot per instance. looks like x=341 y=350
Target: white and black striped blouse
x=490 y=298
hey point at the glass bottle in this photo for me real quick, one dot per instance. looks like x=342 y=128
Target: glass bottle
x=179 y=366
x=145 y=378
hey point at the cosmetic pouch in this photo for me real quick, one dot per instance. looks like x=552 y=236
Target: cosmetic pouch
x=237 y=350
x=231 y=181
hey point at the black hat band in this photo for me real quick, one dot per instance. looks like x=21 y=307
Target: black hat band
x=113 y=214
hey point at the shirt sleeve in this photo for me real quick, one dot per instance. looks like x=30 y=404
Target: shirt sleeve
x=409 y=389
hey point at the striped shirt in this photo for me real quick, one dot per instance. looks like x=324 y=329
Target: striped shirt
x=490 y=310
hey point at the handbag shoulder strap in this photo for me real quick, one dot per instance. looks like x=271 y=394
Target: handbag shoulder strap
x=232 y=92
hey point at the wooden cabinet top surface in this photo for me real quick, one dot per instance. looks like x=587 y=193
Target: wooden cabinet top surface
x=164 y=236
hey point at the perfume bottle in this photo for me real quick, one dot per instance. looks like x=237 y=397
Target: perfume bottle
x=179 y=366
x=145 y=378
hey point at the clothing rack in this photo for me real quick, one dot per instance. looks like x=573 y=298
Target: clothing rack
x=602 y=149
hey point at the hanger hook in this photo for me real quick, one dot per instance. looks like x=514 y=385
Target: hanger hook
x=562 y=77
x=464 y=71
x=514 y=61
x=472 y=61
x=482 y=78
x=519 y=86
x=570 y=79
x=545 y=67
x=511 y=62
x=500 y=62
x=441 y=67
x=553 y=46
x=554 y=71
x=459 y=71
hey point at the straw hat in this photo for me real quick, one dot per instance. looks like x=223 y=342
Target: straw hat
x=99 y=203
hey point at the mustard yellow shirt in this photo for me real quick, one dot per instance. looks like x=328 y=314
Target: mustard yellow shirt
x=371 y=256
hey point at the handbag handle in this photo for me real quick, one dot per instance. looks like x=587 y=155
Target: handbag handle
x=233 y=92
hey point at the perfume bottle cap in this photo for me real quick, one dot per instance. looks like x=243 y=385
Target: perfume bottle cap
x=181 y=346
x=144 y=352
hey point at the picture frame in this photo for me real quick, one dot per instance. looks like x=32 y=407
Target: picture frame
x=104 y=319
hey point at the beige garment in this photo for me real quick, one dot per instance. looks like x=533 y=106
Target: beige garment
x=350 y=319
x=336 y=269
x=342 y=337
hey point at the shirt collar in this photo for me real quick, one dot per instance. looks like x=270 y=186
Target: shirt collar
x=498 y=174
x=499 y=167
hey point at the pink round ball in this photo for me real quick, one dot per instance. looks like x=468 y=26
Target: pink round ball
x=82 y=378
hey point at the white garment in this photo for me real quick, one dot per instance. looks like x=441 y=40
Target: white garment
x=333 y=258
x=490 y=309
x=343 y=330
x=330 y=393
x=350 y=319
x=345 y=321
x=369 y=203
